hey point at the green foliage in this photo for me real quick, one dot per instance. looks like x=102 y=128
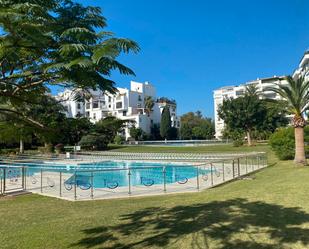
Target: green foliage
x=149 y=104
x=283 y=143
x=94 y=142
x=54 y=42
x=73 y=129
x=119 y=139
x=165 y=125
x=103 y=133
x=59 y=148
x=173 y=133
x=236 y=135
x=137 y=133
x=295 y=94
x=195 y=126
x=47 y=149
x=243 y=113
x=155 y=132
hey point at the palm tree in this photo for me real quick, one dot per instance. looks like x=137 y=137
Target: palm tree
x=296 y=94
x=149 y=104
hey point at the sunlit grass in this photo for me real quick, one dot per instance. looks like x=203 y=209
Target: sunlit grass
x=271 y=211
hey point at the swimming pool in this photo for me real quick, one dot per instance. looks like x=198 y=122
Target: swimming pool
x=113 y=174
x=99 y=178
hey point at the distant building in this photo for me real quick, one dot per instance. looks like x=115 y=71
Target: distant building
x=235 y=91
x=126 y=104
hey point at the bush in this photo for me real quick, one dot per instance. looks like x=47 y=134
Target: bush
x=237 y=137
x=118 y=139
x=46 y=149
x=282 y=142
x=94 y=142
x=59 y=148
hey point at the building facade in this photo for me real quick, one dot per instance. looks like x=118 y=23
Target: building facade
x=236 y=91
x=126 y=104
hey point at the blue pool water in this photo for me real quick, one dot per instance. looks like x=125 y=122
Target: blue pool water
x=118 y=174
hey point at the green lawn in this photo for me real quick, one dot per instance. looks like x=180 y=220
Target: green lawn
x=271 y=211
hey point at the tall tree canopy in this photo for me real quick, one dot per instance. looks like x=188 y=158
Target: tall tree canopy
x=195 y=126
x=165 y=126
x=244 y=113
x=54 y=42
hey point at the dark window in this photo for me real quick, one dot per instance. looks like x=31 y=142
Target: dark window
x=119 y=105
x=109 y=99
x=78 y=105
x=124 y=113
x=87 y=114
x=88 y=105
x=239 y=93
x=139 y=98
x=95 y=104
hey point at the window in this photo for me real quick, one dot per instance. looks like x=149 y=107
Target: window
x=118 y=105
x=95 y=104
x=239 y=93
x=139 y=105
x=270 y=95
x=87 y=114
x=139 y=98
x=78 y=105
x=88 y=105
x=109 y=99
x=124 y=113
x=94 y=116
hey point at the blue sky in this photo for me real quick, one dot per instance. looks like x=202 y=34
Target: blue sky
x=190 y=48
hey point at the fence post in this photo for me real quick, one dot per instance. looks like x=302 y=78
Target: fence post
x=212 y=178
x=246 y=165
x=25 y=176
x=129 y=176
x=41 y=180
x=238 y=166
x=223 y=172
x=233 y=168
x=75 y=195
x=197 y=178
x=91 y=195
x=1 y=174
x=60 y=183
x=4 y=180
x=164 y=178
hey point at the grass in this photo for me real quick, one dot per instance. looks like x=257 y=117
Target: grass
x=271 y=211
x=188 y=149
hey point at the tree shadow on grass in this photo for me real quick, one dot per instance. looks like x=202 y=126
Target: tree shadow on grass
x=231 y=224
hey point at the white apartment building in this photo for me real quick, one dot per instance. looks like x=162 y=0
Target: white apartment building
x=235 y=91
x=126 y=104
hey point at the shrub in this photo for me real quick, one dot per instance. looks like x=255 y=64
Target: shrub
x=282 y=142
x=46 y=149
x=59 y=148
x=94 y=142
x=118 y=139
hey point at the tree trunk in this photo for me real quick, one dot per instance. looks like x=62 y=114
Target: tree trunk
x=21 y=146
x=249 y=138
x=300 y=157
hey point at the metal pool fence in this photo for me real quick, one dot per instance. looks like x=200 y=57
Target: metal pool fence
x=86 y=184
